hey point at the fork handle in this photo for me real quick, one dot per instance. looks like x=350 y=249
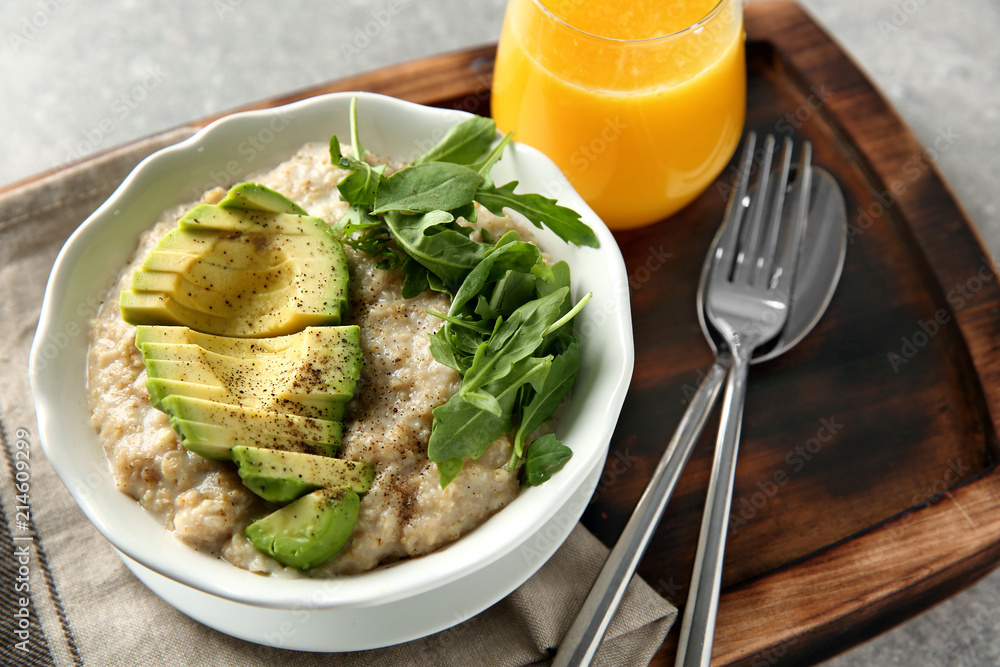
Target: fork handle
x=698 y=628
x=584 y=637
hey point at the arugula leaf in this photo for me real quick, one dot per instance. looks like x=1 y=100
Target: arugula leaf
x=485 y=165
x=484 y=401
x=543 y=404
x=564 y=320
x=468 y=211
x=531 y=319
x=356 y=147
x=540 y=211
x=546 y=455
x=356 y=219
x=483 y=308
x=416 y=281
x=461 y=429
x=448 y=469
x=471 y=324
x=361 y=186
x=511 y=291
x=443 y=250
x=513 y=340
x=445 y=353
x=558 y=278
x=374 y=240
x=511 y=256
x=335 y=151
x=465 y=341
x=436 y=283
x=463 y=143
x=358 y=187
x=433 y=186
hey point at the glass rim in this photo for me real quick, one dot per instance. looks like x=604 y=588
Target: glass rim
x=644 y=40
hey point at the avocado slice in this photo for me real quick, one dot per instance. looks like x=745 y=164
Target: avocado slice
x=256 y=267
x=327 y=337
x=183 y=270
x=213 y=441
x=254 y=422
x=159 y=389
x=304 y=405
x=242 y=239
x=178 y=261
x=309 y=531
x=205 y=285
x=227 y=368
x=144 y=307
x=281 y=476
x=311 y=374
x=212 y=301
x=249 y=221
x=256 y=197
x=168 y=378
x=332 y=373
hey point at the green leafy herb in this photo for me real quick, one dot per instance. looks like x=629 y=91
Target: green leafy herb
x=485 y=165
x=432 y=186
x=360 y=186
x=507 y=331
x=461 y=429
x=356 y=147
x=443 y=249
x=513 y=340
x=463 y=144
x=565 y=222
x=374 y=240
x=508 y=255
x=546 y=455
x=544 y=402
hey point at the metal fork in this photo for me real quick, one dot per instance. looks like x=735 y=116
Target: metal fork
x=746 y=301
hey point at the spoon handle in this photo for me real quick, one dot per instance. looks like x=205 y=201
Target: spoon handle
x=583 y=637
x=698 y=628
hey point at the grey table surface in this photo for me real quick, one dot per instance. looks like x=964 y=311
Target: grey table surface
x=78 y=77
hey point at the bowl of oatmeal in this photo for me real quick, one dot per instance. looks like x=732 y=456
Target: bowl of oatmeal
x=178 y=519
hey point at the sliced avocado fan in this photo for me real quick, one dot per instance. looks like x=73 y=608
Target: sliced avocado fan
x=253 y=265
x=237 y=313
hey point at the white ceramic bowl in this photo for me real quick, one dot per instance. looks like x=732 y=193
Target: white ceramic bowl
x=447 y=586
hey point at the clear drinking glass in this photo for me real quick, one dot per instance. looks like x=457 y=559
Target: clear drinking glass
x=640 y=103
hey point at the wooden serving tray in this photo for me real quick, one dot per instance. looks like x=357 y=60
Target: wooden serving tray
x=867 y=487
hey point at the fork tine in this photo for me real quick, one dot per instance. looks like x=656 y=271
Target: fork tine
x=772 y=227
x=784 y=267
x=725 y=253
x=750 y=237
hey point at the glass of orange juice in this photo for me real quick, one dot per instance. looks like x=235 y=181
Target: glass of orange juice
x=640 y=102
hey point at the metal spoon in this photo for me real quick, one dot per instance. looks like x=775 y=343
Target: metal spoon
x=824 y=249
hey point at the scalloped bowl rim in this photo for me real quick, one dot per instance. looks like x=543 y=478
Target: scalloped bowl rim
x=177 y=174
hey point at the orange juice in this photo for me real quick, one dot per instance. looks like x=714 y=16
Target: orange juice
x=640 y=103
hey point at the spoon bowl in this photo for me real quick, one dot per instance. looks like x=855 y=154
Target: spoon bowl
x=824 y=248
